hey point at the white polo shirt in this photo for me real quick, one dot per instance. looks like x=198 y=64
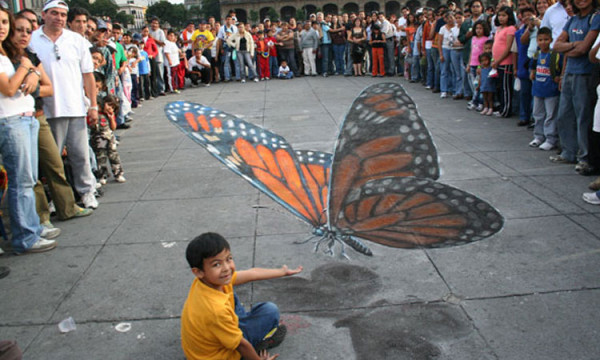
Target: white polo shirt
x=555 y=18
x=65 y=73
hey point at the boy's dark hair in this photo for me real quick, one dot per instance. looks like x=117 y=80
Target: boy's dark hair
x=485 y=25
x=117 y=26
x=545 y=31
x=526 y=9
x=76 y=11
x=203 y=247
x=95 y=49
x=489 y=42
x=485 y=56
x=511 y=16
x=112 y=101
x=99 y=77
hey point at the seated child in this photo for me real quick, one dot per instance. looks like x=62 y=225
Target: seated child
x=284 y=71
x=214 y=324
x=104 y=142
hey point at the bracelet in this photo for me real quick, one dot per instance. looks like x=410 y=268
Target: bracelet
x=26 y=68
x=34 y=71
x=93 y=108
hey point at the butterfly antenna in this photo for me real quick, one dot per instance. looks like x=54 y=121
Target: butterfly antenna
x=331 y=246
x=305 y=240
x=318 y=243
x=343 y=251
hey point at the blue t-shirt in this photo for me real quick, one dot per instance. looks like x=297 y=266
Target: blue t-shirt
x=144 y=65
x=522 y=59
x=544 y=86
x=577 y=28
x=326 y=38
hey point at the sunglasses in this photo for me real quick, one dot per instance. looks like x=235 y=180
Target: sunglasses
x=56 y=52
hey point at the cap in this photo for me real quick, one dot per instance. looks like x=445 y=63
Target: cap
x=101 y=25
x=203 y=22
x=50 y=4
x=137 y=37
x=266 y=19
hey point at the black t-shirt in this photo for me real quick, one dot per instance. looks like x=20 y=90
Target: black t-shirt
x=243 y=45
x=377 y=37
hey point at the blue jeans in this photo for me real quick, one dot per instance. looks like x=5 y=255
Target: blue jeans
x=446 y=71
x=349 y=61
x=325 y=51
x=437 y=69
x=273 y=66
x=338 y=56
x=390 y=64
x=575 y=111
x=458 y=70
x=19 y=148
x=415 y=69
x=525 y=99
x=431 y=67
x=289 y=55
x=227 y=65
x=258 y=322
x=244 y=59
x=289 y=75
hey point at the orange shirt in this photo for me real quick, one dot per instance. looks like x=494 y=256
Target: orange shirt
x=209 y=326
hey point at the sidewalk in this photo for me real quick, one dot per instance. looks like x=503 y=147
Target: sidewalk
x=529 y=292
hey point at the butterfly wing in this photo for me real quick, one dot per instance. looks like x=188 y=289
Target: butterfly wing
x=263 y=158
x=409 y=212
x=383 y=135
x=316 y=169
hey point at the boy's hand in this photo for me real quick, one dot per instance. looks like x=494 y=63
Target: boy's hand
x=264 y=355
x=290 y=272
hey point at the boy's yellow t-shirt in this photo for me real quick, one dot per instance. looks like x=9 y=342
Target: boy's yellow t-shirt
x=206 y=38
x=209 y=326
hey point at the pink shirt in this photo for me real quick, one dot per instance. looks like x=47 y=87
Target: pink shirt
x=500 y=44
x=477 y=49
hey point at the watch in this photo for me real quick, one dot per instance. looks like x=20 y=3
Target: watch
x=34 y=71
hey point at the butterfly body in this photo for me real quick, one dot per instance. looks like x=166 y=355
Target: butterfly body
x=379 y=185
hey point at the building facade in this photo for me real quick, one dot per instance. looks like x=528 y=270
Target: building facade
x=288 y=9
x=135 y=8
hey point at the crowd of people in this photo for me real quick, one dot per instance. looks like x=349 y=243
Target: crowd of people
x=67 y=85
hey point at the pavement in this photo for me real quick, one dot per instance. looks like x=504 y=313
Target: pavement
x=529 y=292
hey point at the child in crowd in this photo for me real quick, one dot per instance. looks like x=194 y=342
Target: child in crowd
x=377 y=45
x=133 y=59
x=545 y=69
x=172 y=57
x=101 y=91
x=447 y=35
x=478 y=41
x=262 y=53
x=214 y=324
x=503 y=62
x=487 y=84
x=272 y=44
x=284 y=71
x=144 y=72
x=522 y=67
x=104 y=143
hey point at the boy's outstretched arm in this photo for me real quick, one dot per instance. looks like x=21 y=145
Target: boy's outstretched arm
x=248 y=353
x=255 y=274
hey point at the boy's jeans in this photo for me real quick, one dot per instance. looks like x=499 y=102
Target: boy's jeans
x=258 y=322
x=338 y=55
x=227 y=64
x=244 y=59
x=19 y=148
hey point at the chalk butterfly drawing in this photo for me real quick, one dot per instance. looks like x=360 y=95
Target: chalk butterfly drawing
x=379 y=185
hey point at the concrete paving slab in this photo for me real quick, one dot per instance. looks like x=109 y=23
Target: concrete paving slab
x=25 y=334
x=34 y=289
x=461 y=166
x=551 y=196
x=533 y=255
x=132 y=190
x=561 y=325
x=147 y=339
x=144 y=160
x=532 y=162
x=148 y=220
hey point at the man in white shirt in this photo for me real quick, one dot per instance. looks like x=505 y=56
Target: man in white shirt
x=65 y=56
x=226 y=31
x=388 y=30
x=186 y=39
x=555 y=19
x=159 y=38
x=199 y=68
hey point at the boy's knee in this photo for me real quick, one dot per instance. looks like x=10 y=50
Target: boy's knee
x=268 y=309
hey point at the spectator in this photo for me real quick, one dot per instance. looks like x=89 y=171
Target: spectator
x=225 y=33
x=503 y=62
x=244 y=45
x=446 y=37
x=377 y=47
x=555 y=19
x=186 y=39
x=158 y=35
x=199 y=68
x=150 y=47
x=172 y=60
x=338 y=39
x=288 y=48
x=309 y=42
x=284 y=71
x=357 y=37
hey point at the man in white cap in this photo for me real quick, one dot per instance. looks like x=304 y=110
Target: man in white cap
x=66 y=58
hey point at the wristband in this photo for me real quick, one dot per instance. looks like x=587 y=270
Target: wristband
x=34 y=71
x=94 y=108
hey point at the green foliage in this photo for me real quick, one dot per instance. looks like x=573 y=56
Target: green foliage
x=195 y=12
x=85 y=4
x=253 y=16
x=211 y=8
x=272 y=14
x=175 y=14
x=300 y=15
x=124 y=18
x=104 y=8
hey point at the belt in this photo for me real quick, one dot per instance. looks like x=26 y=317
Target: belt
x=29 y=113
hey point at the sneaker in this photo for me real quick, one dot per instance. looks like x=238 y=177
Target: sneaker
x=471 y=106
x=267 y=78
x=89 y=200
x=444 y=95
x=546 y=146
x=120 y=179
x=42 y=245
x=102 y=181
x=49 y=232
x=243 y=81
x=584 y=168
x=98 y=185
x=262 y=79
x=497 y=114
x=479 y=107
x=535 y=143
x=82 y=212
x=273 y=339
x=1 y=251
x=595 y=185
x=52 y=208
x=591 y=198
x=255 y=79
x=428 y=87
x=557 y=159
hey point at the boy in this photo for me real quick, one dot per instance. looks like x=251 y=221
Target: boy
x=214 y=325
x=545 y=69
x=172 y=56
x=262 y=50
x=284 y=71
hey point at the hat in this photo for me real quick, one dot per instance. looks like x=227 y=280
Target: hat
x=50 y=4
x=101 y=25
x=137 y=37
x=266 y=19
x=203 y=22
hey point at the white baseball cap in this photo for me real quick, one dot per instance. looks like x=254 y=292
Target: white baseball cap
x=50 y=4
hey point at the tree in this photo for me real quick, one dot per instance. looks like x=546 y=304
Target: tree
x=104 y=8
x=195 y=12
x=253 y=16
x=124 y=18
x=272 y=14
x=175 y=15
x=300 y=15
x=85 y=4
x=211 y=8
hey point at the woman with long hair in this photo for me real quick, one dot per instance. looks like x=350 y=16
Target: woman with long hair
x=338 y=39
x=18 y=141
x=357 y=37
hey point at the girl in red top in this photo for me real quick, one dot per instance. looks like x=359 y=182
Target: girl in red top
x=503 y=64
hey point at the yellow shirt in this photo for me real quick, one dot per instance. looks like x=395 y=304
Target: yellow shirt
x=205 y=39
x=209 y=326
